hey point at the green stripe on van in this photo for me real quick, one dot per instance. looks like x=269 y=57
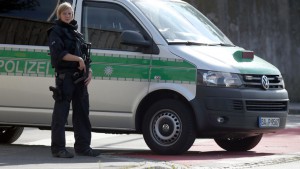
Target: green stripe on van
x=173 y=71
x=25 y=63
x=121 y=67
x=127 y=60
x=32 y=54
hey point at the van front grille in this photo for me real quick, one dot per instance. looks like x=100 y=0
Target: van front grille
x=254 y=81
x=266 y=105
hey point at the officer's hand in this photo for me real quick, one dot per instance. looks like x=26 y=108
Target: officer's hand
x=81 y=65
x=88 y=79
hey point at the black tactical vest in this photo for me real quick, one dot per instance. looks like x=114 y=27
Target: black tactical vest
x=69 y=36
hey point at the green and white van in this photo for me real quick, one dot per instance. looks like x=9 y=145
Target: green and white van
x=160 y=68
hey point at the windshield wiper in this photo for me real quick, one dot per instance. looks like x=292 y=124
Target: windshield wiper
x=200 y=44
x=189 y=43
x=222 y=44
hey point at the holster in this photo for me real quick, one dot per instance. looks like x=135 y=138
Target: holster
x=57 y=95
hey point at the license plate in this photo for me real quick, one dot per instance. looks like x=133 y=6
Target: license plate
x=265 y=122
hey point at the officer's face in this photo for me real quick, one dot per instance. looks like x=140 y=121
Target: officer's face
x=67 y=16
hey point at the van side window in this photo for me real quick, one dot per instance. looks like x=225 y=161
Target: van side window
x=103 y=23
x=25 y=22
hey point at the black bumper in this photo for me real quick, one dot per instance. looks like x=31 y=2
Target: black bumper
x=240 y=109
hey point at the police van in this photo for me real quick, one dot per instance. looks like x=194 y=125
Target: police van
x=160 y=69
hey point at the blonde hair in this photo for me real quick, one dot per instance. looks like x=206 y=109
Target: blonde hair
x=62 y=7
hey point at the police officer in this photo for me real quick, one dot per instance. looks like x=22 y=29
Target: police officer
x=71 y=64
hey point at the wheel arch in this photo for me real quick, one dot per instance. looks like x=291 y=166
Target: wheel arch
x=154 y=97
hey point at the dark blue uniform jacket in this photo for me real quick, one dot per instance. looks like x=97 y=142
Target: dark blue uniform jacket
x=63 y=38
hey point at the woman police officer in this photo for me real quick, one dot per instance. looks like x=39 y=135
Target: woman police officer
x=67 y=59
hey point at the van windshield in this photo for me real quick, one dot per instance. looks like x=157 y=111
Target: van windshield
x=179 y=22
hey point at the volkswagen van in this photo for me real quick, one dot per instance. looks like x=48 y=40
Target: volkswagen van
x=160 y=69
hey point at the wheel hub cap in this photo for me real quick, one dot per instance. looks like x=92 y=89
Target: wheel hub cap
x=166 y=127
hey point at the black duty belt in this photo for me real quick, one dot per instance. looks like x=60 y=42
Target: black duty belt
x=76 y=76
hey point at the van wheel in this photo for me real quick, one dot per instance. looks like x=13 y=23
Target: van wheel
x=10 y=134
x=239 y=144
x=168 y=127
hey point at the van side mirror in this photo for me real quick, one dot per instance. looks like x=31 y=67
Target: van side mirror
x=134 y=38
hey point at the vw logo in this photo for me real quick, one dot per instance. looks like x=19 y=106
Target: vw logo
x=265 y=82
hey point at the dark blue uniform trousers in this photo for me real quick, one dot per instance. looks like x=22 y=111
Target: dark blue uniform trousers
x=78 y=94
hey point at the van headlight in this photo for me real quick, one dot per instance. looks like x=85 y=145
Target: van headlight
x=218 y=79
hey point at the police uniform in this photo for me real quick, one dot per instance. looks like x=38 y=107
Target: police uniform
x=63 y=39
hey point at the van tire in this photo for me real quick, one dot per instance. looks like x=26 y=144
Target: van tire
x=168 y=127
x=239 y=144
x=10 y=134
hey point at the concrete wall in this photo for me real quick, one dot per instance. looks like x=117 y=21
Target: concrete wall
x=271 y=28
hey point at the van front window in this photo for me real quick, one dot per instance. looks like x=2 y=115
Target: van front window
x=179 y=22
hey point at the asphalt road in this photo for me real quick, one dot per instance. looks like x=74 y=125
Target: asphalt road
x=32 y=151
